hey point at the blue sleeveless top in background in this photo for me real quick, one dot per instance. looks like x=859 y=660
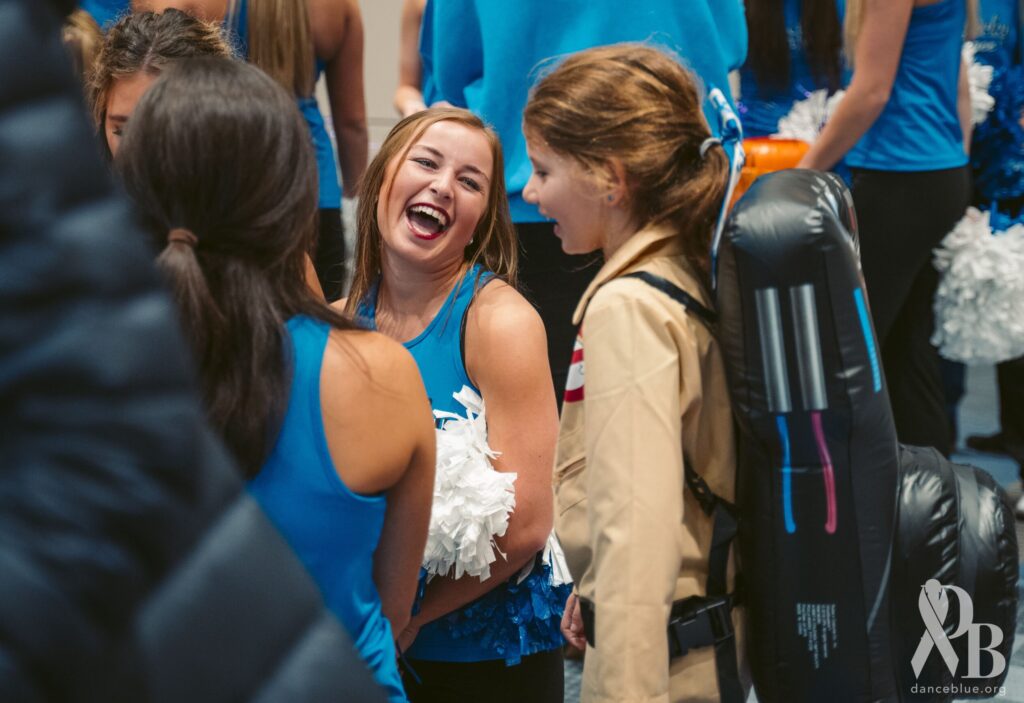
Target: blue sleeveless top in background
x=327 y=170
x=514 y=619
x=106 y=12
x=998 y=44
x=333 y=531
x=919 y=129
x=762 y=107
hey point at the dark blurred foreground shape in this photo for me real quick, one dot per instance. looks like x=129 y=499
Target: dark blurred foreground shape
x=133 y=567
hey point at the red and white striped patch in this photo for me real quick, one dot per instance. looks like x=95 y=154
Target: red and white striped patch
x=574 y=381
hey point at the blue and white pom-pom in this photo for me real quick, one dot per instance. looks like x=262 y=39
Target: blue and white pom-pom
x=980 y=78
x=979 y=314
x=807 y=117
x=472 y=501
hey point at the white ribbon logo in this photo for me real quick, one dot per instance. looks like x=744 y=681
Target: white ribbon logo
x=934 y=606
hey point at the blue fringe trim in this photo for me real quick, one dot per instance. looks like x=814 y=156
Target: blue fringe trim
x=514 y=620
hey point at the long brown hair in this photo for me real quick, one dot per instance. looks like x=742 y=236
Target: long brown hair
x=149 y=42
x=280 y=43
x=219 y=149
x=494 y=242
x=821 y=33
x=637 y=105
x=856 y=10
x=83 y=39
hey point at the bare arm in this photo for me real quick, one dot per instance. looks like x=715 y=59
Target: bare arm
x=408 y=96
x=347 y=97
x=506 y=356
x=963 y=104
x=380 y=434
x=877 y=59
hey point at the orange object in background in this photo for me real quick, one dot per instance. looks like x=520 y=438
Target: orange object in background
x=766 y=155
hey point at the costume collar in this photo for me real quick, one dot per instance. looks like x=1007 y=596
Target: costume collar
x=655 y=239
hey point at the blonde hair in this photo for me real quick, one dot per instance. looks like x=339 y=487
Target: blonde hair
x=856 y=10
x=636 y=105
x=281 y=44
x=83 y=39
x=494 y=242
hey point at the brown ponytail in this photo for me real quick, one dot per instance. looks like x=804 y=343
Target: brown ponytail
x=637 y=105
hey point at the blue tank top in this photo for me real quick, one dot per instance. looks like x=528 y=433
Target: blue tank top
x=919 y=129
x=327 y=170
x=106 y=12
x=333 y=531
x=762 y=107
x=997 y=43
x=507 y=622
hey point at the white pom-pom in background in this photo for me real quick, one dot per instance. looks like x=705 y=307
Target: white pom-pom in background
x=807 y=117
x=979 y=304
x=472 y=501
x=980 y=77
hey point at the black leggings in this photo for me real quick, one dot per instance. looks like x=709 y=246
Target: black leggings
x=903 y=217
x=329 y=253
x=538 y=678
x=554 y=282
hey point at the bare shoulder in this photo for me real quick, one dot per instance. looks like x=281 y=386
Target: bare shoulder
x=375 y=410
x=329 y=22
x=360 y=361
x=505 y=336
x=500 y=315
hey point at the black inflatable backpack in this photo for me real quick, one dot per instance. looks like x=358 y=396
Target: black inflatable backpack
x=834 y=554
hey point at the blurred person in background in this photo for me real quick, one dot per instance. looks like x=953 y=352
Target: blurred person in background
x=904 y=128
x=489 y=69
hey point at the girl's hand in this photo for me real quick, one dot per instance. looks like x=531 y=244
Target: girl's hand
x=572 y=623
x=407 y=636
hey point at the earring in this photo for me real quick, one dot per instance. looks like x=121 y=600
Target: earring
x=611 y=198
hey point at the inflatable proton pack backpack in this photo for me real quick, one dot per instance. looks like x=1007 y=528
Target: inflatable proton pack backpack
x=871 y=572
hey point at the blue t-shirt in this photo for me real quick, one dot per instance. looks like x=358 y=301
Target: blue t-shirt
x=333 y=530
x=514 y=619
x=761 y=107
x=919 y=129
x=483 y=54
x=106 y=12
x=327 y=170
x=997 y=44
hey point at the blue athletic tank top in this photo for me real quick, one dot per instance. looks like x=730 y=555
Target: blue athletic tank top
x=919 y=129
x=762 y=107
x=106 y=12
x=327 y=171
x=512 y=620
x=997 y=43
x=333 y=531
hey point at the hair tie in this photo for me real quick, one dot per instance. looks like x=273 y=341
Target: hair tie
x=707 y=144
x=183 y=236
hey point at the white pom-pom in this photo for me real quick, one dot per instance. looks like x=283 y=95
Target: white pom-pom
x=979 y=304
x=807 y=117
x=472 y=501
x=980 y=78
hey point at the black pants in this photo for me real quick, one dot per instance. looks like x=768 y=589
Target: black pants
x=536 y=679
x=329 y=253
x=554 y=282
x=1010 y=376
x=903 y=217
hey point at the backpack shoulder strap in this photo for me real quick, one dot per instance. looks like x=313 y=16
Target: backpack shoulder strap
x=707 y=316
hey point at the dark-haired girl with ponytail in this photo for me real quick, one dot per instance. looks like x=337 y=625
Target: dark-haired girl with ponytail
x=624 y=163
x=330 y=423
x=795 y=49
